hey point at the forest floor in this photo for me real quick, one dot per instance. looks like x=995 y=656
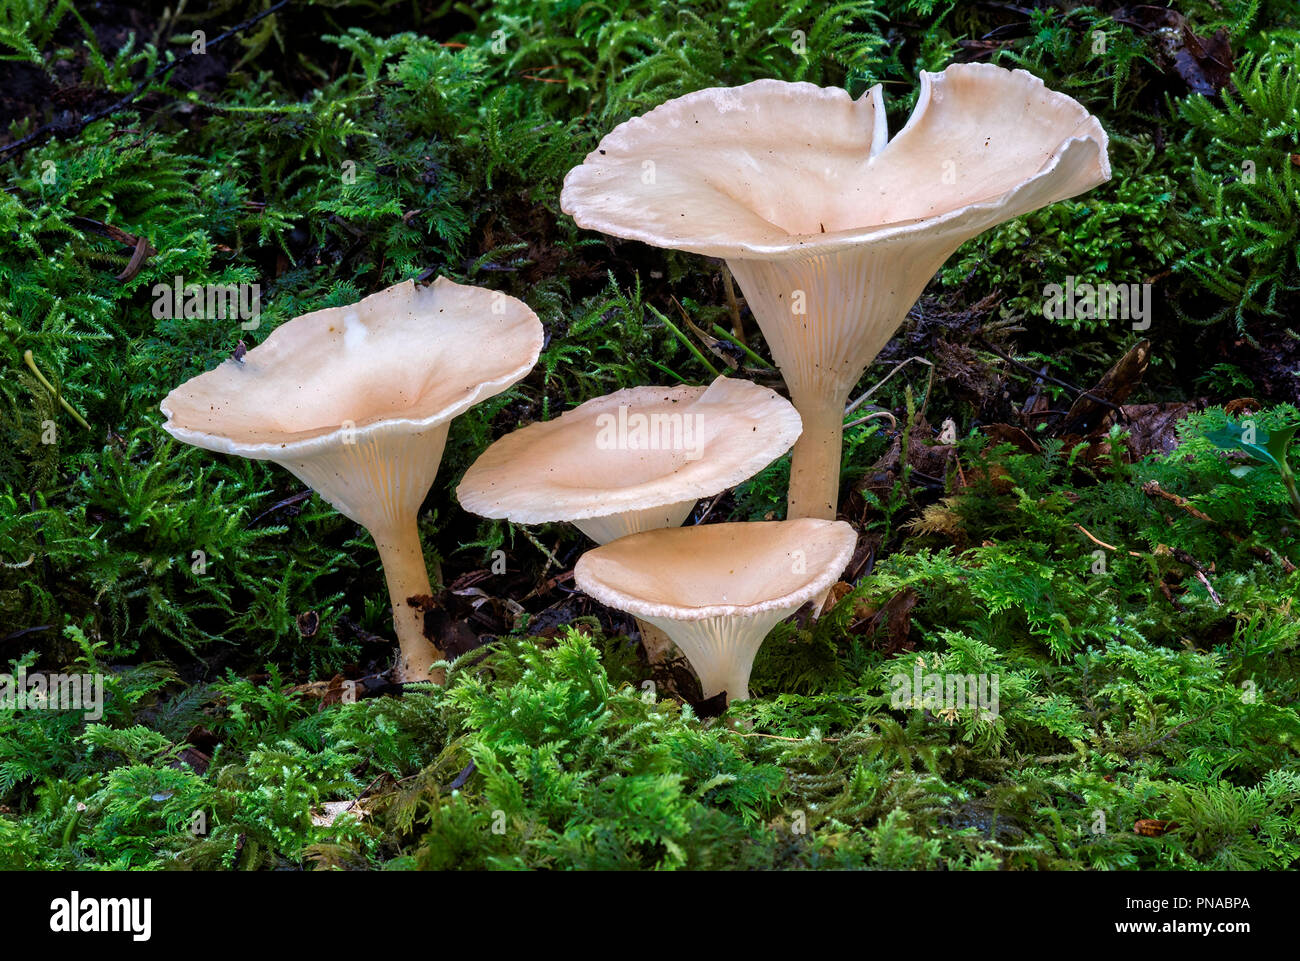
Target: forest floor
x=1093 y=513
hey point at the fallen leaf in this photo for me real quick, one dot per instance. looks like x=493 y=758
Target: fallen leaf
x=1092 y=412
x=889 y=626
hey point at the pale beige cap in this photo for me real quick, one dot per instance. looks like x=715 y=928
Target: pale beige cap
x=771 y=169
x=717 y=589
x=718 y=570
x=632 y=452
x=406 y=358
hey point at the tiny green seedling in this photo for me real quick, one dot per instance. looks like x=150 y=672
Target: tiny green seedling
x=1267 y=447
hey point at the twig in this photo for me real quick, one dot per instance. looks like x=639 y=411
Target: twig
x=736 y=324
x=1171 y=732
x=14 y=635
x=1050 y=379
x=1095 y=540
x=893 y=421
x=287 y=502
x=708 y=510
x=1200 y=576
x=881 y=383
x=550 y=557
x=1101 y=543
x=357 y=799
x=1153 y=489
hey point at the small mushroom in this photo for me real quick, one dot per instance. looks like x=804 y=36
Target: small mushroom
x=634 y=460
x=831 y=229
x=718 y=589
x=356 y=402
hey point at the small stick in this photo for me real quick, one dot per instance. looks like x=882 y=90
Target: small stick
x=736 y=324
x=357 y=799
x=1053 y=380
x=1101 y=543
x=1153 y=489
x=708 y=510
x=550 y=557
x=881 y=383
x=1200 y=576
x=893 y=421
x=1097 y=541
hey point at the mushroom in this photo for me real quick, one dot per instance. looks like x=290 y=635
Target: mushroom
x=634 y=460
x=356 y=402
x=718 y=589
x=831 y=229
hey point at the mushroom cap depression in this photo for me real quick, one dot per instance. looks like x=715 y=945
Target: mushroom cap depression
x=602 y=459
x=403 y=360
x=718 y=570
x=771 y=169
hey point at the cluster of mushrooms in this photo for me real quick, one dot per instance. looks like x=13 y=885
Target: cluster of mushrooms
x=831 y=229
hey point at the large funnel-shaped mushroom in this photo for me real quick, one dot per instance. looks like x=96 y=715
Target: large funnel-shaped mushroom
x=718 y=589
x=831 y=229
x=634 y=460
x=356 y=401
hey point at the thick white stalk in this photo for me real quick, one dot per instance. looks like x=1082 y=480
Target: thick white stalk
x=408 y=577
x=815 y=458
x=824 y=318
x=379 y=481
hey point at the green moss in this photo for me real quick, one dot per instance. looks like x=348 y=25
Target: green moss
x=369 y=153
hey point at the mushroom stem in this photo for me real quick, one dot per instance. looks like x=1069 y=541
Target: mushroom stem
x=721 y=649
x=815 y=459
x=407 y=577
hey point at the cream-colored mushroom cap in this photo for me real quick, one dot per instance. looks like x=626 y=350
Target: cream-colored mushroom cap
x=717 y=590
x=357 y=401
x=718 y=570
x=772 y=169
x=631 y=451
x=830 y=228
x=406 y=358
